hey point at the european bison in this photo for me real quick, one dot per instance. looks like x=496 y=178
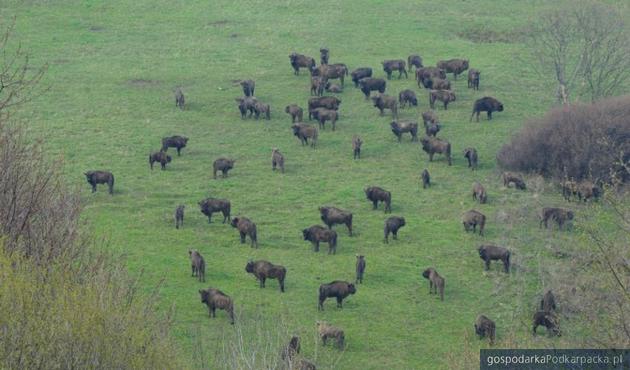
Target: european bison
x=295 y=111
x=356 y=146
x=486 y=104
x=560 y=215
x=471 y=155
x=332 y=216
x=375 y=194
x=177 y=142
x=369 y=84
x=222 y=164
x=291 y=350
x=484 y=327
x=494 y=253
x=301 y=61
x=392 y=225
x=337 y=289
x=433 y=145
x=473 y=78
x=304 y=132
x=426 y=178
x=245 y=228
x=479 y=193
x=414 y=61
x=317 y=234
x=360 y=269
x=179 y=98
x=263 y=109
x=407 y=97
x=512 y=178
x=161 y=157
x=322 y=115
x=210 y=205
x=383 y=102
x=548 y=302
x=328 y=102
x=100 y=177
x=277 y=160
x=399 y=128
x=429 y=117
x=546 y=319
x=246 y=104
x=179 y=216
x=248 y=87
x=323 y=55
x=436 y=282
x=264 y=270
x=587 y=189
x=197 y=264
x=214 y=298
x=318 y=83
x=331 y=71
x=327 y=331
x=436 y=83
x=454 y=66
x=445 y=96
x=431 y=129
x=473 y=218
x=333 y=88
x=394 y=65
x=429 y=72
x=360 y=73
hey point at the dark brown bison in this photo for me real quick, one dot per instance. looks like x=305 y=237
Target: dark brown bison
x=369 y=84
x=179 y=98
x=587 y=190
x=486 y=104
x=454 y=66
x=360 y=73
x=360 y=269
x=383 y=102
x=337 y=289
x=407 y=97
x=318 y=83
x=433 y=145
x=264 y=270
x=436 y=83
x=560 y=215
x=479 y=193
x=548 y=302
x=246 y=104
x=546 y=319
x=436 y=282
x=375 y=194
x=327 y=331
x=328 y=102
x=332 y=216
x=492 y=252
x=484 y=327
x=179 y=216
x=399 y=128
x=473 y=218
x=301 y=61
x=210 y=205
x=392 y=225
x=214 y=298
x=160 y=157
x=246 y=228
x=295 y=111
x=429 y=117
x=222 y=164
x=426 y=178
x=471 y=155
x=323 y=55
x=333 y=88
x=304 y=132
x=177 y=142
x=100 y=177
x=277 y=160
x=248 y=87
x=428 y=72
x=197 y=264
x=322 y=115
x=356 y=146
x=473 y=78
x=394 y=65
x=431 y=129
x=445 y=96
x=512 y=178
x=317 y=234
x=414 y=61
x=263 y=109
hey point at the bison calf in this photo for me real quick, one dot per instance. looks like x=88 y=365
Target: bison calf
x=471 y=155
x=407 y=97
x=214 y=298
x=473 y=218
x=295 y=111
x=356 y=146
x=100 y=177
x=337 y=289
x=317 y=234
x=484 y=327
x=360 y=269
x=179 y=98
x=546 y=319
x=392 y=225
x=479 y=193
x=161 y=157
x=327 y=331
x=473 y=79
x=436 y=282
x=560 y=215
x=179 y=216
x=494 y=253
x=197 y=264
x=264 y=270
x=277 y=160
x=245 y=228
x=426 y=178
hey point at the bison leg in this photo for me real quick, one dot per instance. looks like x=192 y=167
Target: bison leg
x=163 y=165
x=320 y=306
x=489 y=115
x=339 y=302
x=242 y=237
x=262 y=282
x=430 y=157
x=395 y=234
x=487 y=264
x=225 y=173
x=179 y=151
x=209 y=217
x=374 y=204
x=386 y=239
x=316 y=246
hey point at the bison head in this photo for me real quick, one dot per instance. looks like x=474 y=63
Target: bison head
x=426 y=273
x=286 y=109
x=307 y=234
x=351 y=288
x=296 y=129
x=500 y=107
x=425 y=143
x=570 y=215
x=250 y=266
x=88 y=175
x=482 y=251
x=169 y=159
x=234 y=222
x=204 y=295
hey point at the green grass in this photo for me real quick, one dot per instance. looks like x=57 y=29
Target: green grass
x=96 y=117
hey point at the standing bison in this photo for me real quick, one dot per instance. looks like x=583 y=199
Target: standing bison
x=317 y=234
x=445 y=96
x=436 y=282
x=360 y=73
x=426 y=178
x=473 y=218
x=337 y=289
x=328 y=102
x=399 y=128
x=332 y=216
x=473 y=79
x=407 y=97
x=248 y=87
x=546 y=319
x=295 y=111
x=454 y=66
x=433 y=145
x=322 y=115
x=246 y=104
x=323 y=55
x=100 y=177
x=394 y=65
x=277 y=160
x=375 y=194
x=369 y=84
x=414 y=61
x=392 y=225
x=383 y=102
x=479 y=193
x=264 y=270
x=425 y=73
x=494 y=253
x=246 y=228
x=360 y=269
x=263 y=109
x=210 y=205
x=471 y=155
x=160 y=157
x=179 y=98
x=197 y=264
x=318 y=83
x=356 y=146
x=179 y=216
x=177 y=142
x=222 y=164
x=486 y=104
x=214 y=298
x=484 y=327
x=304 y=132
x=301 y=61
x=327 y=331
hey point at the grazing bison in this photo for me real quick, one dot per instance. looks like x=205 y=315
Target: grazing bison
x=426 y=178
x=222 y=164
x=333 y=88
x=331 y=72
x=436 y=282
x=399 y=128
x=569 y=188
x=548 y=302
x=197 y=264
x=433 y=145
x=245 y=228
x=161 y=157
x=337 y=289
x=431 y=129
x=277 y=160
x=304 y=132
x=301 y=61
x=177 y=142
x=323 y=55
x=407 y=97
x=246 y=104
x=471 y=155
x=484 y=327
x=317 y=234
x=264 y=270
x=436 y=83
x=394 y=65
x=560 y=215
x=360 y=269
x=486 y=104
x=369 y=84
x=262 y=108
x=179 y=216
x=356 y=146
x=360 y=73
x=473 y=79
x=512 y=178
x=375 y=194
x=318 y=83
x=429 y=117
x=295 y=111
x=479 y=193
x=414 y=61
x=248 y=87
x=332 y=216
x=473 y=218
x=546 y=319
x=429 y=72
x=179 y=98
x=454 y=66
x=492 y=252
x=392 y=225
x=210 y=205
x=322 y=115
x=587 y=189
x=445 y=96
x=383 y=102
x=328 y=102
x=214 y=298
x=327 y=331
x=100 y=177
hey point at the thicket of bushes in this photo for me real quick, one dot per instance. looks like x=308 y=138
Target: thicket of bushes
x=576 y=142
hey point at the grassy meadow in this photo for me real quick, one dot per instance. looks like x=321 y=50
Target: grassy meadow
x=113 y=67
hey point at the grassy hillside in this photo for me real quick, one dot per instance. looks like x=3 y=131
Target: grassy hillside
x=113 y=68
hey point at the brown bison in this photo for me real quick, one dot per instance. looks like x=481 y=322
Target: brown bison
x=414 y=61
x=331 y=72
x=333 y=88
x=433 y=145
x=436 y=282
x=436 y=83
x=486 y=104
x=337 y=289
x=304 y=132
x=360 y=73
x=179 y=98
x=479 y=193
x=179 y=216
x=160 y=157
x=248 y=87
x=454 y=66
x=318 y=83
x=360 y=269
x=394 y=65
x=222 y=164
x=512 y=178
x=322 y=115
x=494 y=253
x=484 y=327
x=327 y=331
x=471 y=155
x=210 y=205
x=429 y=117
x=323 y=55
x=548 y=302
x=246 y=228
x=431 y=129
x=426 y=178
x=473 y=78
x=560 y=215
x=399 y=128
x=295 y=112
x=245 y=105
x=214 y=298
x=100 y=177
x=332 y=216
x=356 y=146
x=369 y=84
x=197 y=264
x=473 y=218
x=383 y=102
x=425 y=73
x=317 y=234
x=328 y=102
x=177 y=142
x=375 y=194
x=301 y=61
x=587 y=190
x=392 y=225
x=264 y=270
x=277 y=160
x=407 y=97
x=445 y=96
x=263 y=109
x=546 y=319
